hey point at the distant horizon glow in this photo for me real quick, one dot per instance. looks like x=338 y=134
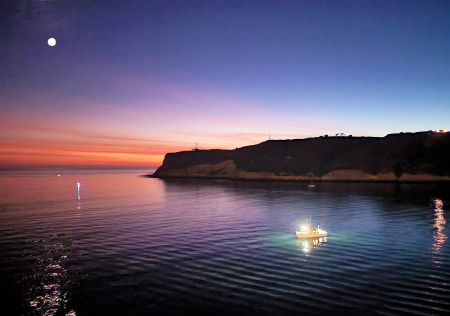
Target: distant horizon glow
x=129 y=83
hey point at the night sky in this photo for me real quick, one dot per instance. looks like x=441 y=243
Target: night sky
x=129 y=81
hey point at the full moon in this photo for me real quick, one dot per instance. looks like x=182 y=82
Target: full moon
x=51 y=42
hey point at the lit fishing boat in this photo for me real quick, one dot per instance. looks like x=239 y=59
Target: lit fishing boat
x=307 y=232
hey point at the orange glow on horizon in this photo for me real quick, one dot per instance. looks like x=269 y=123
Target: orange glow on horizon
x=48 y=157
x=128 y=137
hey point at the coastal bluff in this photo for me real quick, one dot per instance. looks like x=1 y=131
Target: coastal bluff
x=404 y=157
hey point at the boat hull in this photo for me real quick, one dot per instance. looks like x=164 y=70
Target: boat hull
x=310 y=235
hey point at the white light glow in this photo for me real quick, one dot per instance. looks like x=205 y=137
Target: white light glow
x=51 y=42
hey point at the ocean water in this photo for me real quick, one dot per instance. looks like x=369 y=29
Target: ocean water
x=123 y=244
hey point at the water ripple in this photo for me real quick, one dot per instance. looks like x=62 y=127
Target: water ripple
x=142 y=245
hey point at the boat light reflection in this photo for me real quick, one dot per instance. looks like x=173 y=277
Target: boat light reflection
x=307 y=245
x=439 y=235
x=439 y=225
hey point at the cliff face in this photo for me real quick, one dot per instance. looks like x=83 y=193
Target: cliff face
x=423 y=156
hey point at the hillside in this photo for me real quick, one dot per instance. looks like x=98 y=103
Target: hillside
x=422 y=156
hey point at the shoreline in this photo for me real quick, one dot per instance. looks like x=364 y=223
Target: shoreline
x=396 y=158
x=303 y=181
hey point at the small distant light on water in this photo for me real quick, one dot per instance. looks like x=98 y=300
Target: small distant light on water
x=51 y=42
x=78 y=185
x=59 y=175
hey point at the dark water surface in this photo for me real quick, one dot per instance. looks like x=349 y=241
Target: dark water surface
x=129 y=245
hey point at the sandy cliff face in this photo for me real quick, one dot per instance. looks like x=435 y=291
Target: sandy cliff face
x=400 y=157
x=227 y=169
x=358 y=175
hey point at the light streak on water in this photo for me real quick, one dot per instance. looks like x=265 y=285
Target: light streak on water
x=150 y=246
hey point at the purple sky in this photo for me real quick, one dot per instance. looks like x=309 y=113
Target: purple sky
x=129 y=81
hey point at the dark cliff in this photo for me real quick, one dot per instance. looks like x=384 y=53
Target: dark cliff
x=423 y=156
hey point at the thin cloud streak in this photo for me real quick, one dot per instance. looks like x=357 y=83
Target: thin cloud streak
x=40 y=157
x=245 y=136
x=75 y=132
x=83 y=134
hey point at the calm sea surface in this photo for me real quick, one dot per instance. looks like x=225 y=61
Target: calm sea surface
x=129 y=245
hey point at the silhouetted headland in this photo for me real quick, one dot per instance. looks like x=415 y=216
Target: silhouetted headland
x=415 y=157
